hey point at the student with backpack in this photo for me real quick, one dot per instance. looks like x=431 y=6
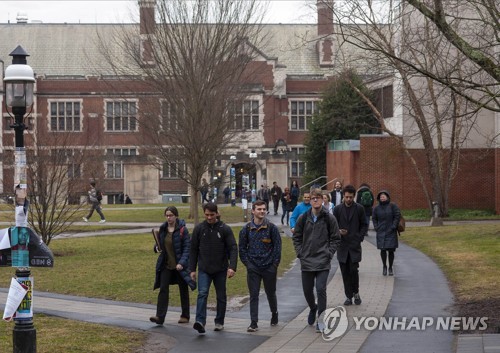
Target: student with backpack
x=316 y=239
x=172 y=265
x=365 y=198
x=260 y=252
x=94 y=199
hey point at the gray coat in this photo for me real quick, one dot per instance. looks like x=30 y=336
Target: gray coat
x=316 y=242
x=385 y=221
x=356 y=227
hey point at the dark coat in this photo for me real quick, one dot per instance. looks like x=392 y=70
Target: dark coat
x=356 y=230
x=182 y=246
x=385 y=219
x=315 y=243
x=213 y=248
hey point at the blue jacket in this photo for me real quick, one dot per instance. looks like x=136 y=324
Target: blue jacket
x=260 y=246
x=300 y=209
x=182 y=246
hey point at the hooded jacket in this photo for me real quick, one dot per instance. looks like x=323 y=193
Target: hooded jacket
x=385 y=219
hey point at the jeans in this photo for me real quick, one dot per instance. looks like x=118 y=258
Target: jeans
x=269 y=277
x=321 y=278
x=166 y=276
x=204 y=281
x=350 y=276
x=95 y=206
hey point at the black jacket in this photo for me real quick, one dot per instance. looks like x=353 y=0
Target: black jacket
x=213 y=248
x=356 y=227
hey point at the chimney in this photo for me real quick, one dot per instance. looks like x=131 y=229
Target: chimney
x=147 y=29
x=325 y=17
x=324 y=45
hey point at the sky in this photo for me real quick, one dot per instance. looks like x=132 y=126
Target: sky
x=112 y=11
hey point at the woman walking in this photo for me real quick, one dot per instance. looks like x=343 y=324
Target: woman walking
x=294 y=195
x=286 y=204
x=385 y=221
x=174 y=246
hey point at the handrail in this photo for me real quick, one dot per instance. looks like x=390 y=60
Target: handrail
x=322 y=186
x=321 y=177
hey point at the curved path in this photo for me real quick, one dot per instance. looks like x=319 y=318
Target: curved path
x=418 y=289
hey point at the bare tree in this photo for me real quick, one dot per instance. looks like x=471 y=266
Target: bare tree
x=438 y=115
x=197 y=62
x=56 y=183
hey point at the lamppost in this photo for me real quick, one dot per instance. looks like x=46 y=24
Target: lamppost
x=232 y=181
x=19 y=81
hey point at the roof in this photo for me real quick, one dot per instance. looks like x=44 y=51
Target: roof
x=73 y=49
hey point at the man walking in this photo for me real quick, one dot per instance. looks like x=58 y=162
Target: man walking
x=214 y=251
x=337 y=194
x=94 y=199
x=316 y=239
x=276 y=193
x=260 y=252
x=263 y=195
x=353 y=227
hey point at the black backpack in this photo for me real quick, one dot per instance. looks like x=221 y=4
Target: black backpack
x=99 y=195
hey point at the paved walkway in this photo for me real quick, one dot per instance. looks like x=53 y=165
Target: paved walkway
x=417 y=289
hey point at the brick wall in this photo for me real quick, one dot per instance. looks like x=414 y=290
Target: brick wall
x=383 y=164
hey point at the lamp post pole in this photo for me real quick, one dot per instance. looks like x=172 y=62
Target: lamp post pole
x=19 y=80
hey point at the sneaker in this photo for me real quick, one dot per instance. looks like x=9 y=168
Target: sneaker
x=218 y=327
x=320 y=327
x=198 y=326
x=274 y=319
x=85 y=219
x=357 y=299
x=253 y=327
x=102 y=221
x=183 y=320
x=348 y=301
x=312 y=316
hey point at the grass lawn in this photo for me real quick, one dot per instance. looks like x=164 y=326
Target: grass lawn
x=119 y=267
x=62 y=335
x=469 y=257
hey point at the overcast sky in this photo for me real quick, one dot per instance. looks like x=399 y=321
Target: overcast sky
x=107 y=11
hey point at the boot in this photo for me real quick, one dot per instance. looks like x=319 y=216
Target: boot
x=384 y=271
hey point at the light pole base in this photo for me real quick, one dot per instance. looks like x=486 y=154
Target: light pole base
x=24 y=337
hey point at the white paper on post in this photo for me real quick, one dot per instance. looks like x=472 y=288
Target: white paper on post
x=17 y=292
x=4 y=239
x=244 y=203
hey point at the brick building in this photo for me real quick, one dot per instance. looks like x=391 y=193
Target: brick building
x=75 y=95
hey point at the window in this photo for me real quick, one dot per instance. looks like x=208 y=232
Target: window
x=69 y=157
x=246 y=115
x=298 y=166
x=176 y=166
x=65 y=116
x=301 y=113
x=384 y=101
x=170 y=115
x=114 y=165
x=121 y=116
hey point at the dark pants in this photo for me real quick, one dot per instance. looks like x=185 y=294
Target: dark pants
x=97 y=207
x=166 y=276
x=276 y=203
x=383 y=255
x=350 y=276
x=269 y=277
x=321 y=278
x=204 y=281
